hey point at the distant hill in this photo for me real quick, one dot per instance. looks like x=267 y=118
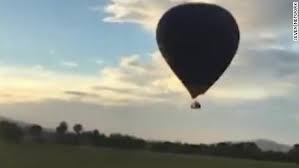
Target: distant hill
x=18 y=122
x=3 y=118
x=268 y=145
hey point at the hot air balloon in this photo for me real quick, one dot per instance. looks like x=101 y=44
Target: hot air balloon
x=198 y=41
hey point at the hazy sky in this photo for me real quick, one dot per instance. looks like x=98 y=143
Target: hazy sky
x=96 y=62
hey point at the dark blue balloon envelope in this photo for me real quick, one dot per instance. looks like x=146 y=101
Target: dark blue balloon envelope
x=198 y=41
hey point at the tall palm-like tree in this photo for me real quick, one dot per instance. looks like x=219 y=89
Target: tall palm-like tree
x=78 y=128
x=62 y=128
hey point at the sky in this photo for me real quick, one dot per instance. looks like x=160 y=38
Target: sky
x=96 y=62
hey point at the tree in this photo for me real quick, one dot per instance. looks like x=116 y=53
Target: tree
x=11 y=131
x=98 y=138
x=36 y=132
x=96 y=133
x=78 y=128
x=61 y=132
x=62 y=128
x=294 y=153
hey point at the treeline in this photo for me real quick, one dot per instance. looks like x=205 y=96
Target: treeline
x=11 y=132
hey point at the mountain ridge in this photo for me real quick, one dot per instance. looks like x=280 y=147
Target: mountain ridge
x=270 y=145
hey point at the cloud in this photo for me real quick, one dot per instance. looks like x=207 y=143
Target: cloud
x=80 y=94
x=143 y=12
x=263 y=17
x=130 y=61
x=262 y=74
x=147 y=13
x=69 y=64
x=100 y=62
x=255 y=74
x=120 y=90
x=37 y=83
x=130 y=82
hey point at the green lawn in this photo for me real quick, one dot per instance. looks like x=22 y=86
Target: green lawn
x=59 y=156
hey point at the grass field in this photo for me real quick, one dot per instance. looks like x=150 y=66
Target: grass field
x=59 y=156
